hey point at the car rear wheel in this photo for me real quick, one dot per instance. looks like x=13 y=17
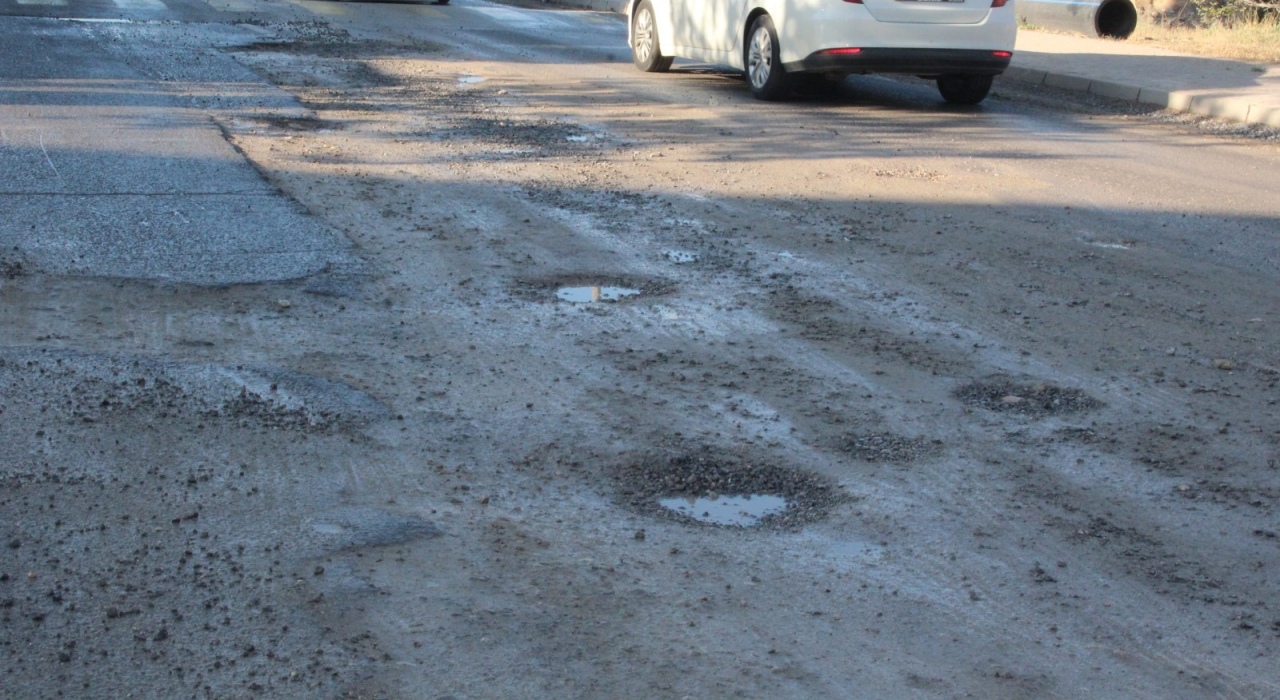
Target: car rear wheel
x=645 y=51
x=965 y=89
x=765 y=74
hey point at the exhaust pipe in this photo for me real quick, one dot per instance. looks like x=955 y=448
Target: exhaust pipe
x=1108 y=19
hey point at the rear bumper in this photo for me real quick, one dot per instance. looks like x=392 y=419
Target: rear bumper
x=925 y=62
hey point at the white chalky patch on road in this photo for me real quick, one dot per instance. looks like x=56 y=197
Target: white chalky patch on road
x=503 y=14
x=321 y=8
x=140 y=5
x=233 y=5
x=520 y=17
x=1112 y=246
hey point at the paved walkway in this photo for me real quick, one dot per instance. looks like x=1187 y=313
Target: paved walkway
x=1128 y=70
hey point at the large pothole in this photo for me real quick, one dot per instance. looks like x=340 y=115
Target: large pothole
x=1037 y=400
x=722 y=490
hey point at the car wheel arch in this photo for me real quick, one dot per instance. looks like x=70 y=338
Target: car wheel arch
x=661 y=20
x=744 y=37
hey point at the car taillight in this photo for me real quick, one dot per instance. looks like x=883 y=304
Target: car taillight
x=998 y=3
x=842 y=52
x=859 y=2
x=1002 y=54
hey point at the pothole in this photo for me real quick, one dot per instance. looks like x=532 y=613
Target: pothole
x=720 y=490
x=587 y=295
x=741 y=511
x=298 y=123
x=545 y=137
x=1006 y=396
x=886 y=447
x=589 y=289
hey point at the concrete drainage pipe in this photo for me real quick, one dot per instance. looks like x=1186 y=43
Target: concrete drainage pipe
x=1109 y=19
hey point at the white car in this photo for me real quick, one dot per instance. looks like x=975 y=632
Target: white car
x=779 y=44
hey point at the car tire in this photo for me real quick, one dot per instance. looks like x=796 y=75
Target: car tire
x=765 y=75
x=965 y=89
x=441 y=2
x=646 y=53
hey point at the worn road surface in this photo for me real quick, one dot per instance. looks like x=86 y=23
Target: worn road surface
x=395 y=350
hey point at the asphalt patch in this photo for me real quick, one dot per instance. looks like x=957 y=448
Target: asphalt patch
x=1003 y=395
x=711 y=474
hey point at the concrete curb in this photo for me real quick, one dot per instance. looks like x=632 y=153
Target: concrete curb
x=1231 y=108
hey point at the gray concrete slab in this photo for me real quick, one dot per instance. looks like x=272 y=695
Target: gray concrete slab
x=109 y=172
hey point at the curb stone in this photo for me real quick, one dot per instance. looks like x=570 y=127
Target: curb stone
x=1229 y=108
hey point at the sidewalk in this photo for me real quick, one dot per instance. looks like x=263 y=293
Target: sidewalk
x=1127 y=70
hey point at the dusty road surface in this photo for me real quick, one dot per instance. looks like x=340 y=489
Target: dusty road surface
x=372 y=350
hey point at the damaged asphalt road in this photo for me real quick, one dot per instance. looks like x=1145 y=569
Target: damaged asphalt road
x=360 y=350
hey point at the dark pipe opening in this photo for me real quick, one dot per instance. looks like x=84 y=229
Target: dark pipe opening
x=1116 y=19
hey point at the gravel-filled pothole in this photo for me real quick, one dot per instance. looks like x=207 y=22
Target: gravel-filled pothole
x=1037 y=400
x=887 y=447
x=707 y=487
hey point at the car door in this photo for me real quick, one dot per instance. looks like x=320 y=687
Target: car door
x=685 y=16
x=710 y=25
x=725 y=23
